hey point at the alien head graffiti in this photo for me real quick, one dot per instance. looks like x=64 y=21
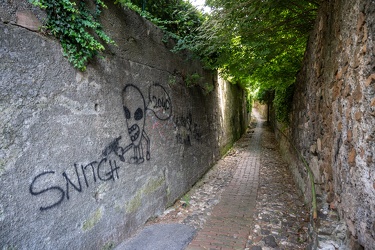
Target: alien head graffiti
x=135 y=112
x=135 y=108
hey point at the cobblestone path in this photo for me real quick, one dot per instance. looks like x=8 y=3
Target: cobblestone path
x=248 y=200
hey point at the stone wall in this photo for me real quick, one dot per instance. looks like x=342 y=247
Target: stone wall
x=87 y=158
x=333 y=117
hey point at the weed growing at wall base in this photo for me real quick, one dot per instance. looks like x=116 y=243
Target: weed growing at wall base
x=77 y=28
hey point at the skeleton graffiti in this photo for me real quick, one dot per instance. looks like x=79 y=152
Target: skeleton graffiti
x=107 y=167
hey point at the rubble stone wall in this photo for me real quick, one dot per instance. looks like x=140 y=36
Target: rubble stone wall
x=86 y=158
x=333 y=117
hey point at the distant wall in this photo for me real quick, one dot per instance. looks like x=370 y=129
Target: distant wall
x=333 y=117
x=87 y=158
x=262 y=109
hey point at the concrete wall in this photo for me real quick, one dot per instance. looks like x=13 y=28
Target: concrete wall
x=333 y=116
x=232 y=113
x=87 y=158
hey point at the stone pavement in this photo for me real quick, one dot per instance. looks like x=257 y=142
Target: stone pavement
x=248 y=200
x=281 y=218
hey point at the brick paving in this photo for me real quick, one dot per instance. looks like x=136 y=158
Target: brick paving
x=230 y=222
x=248 y=200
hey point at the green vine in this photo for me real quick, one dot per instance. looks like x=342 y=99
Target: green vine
x=283 y=103
x=77 y=27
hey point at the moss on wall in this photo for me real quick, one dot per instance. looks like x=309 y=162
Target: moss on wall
x=152 y=186
x=93 y=220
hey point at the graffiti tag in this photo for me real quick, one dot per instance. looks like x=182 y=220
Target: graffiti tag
x=106 y=169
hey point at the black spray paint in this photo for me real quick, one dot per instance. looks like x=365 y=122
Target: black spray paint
x=187 y=130
x=105 y=169
x=97 y=171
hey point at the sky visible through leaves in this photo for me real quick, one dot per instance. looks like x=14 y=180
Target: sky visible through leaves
x=200 y=4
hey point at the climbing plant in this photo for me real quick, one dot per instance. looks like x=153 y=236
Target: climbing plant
x=177 y=18
x=77 y=27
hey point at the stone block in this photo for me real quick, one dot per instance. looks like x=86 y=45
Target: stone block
x=28 y=20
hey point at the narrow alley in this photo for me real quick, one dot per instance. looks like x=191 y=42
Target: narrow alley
x=248 y=200
x=130 y=125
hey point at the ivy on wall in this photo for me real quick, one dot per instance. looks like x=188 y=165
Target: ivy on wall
x=178 y=19
x=76 y=26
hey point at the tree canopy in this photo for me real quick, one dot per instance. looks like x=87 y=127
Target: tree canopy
x=258 y=44
x=257 y=40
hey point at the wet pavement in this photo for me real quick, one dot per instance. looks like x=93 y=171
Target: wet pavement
x=248 y=200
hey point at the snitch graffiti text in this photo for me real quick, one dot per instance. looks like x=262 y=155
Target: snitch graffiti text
x=84 y=175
